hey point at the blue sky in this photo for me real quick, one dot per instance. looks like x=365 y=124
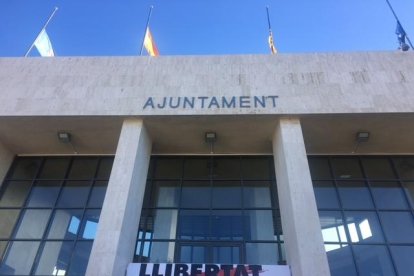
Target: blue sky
x=203 y=27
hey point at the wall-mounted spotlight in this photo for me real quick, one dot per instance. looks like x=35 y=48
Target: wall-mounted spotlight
x=210 y=138
x=66 y=138
x=361 y=136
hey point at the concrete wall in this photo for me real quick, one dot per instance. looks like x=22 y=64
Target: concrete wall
x=305 y=84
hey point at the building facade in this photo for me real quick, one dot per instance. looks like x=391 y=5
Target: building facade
x=304 y=161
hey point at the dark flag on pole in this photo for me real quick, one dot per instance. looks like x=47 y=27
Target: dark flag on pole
x=399 y=31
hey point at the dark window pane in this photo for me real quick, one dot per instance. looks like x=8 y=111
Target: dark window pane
x=256 y=194
x=25 y=168
x=80 y=258
x=165 y=222
x=378 y=168
x=259 y=225
x=32 y=224
x=226 y=168
x=409 y=190
x=398 y=226
x=89 y=224
x=226 y=194
x=405 y=167
x=83 y=168
x=98 y=194
x=403 y=258
x=341 y=262
x=354 y=195
x=167 y=193
x=346 y=167
x=74 y=194
x=373 y=260
x=54 y=258
x=262 y=253
x=44 y=194
x=65 y=224
x=19 y=258
x=194 y=225
x=160 y=252
x=388 y=195
x=105 y=167
x=168 y=168
x=14 y=193
x=255 y=168
x=226 y=254
x=54 y=168
x=197 y=168
x=319 y=168
x=363 y=227
x=333 y=228
x=325 y=194
x=7 y=220
x=193 y=254
x=196 y=194
x=227 y=225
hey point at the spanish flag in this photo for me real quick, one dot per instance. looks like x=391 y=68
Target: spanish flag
x=149 y=44
x=272 y=47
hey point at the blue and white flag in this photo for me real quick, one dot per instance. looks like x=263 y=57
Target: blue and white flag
x=43 y=45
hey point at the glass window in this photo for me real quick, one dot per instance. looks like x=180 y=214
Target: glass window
x=409 y=190
x=168 y=168
x=319 y=168
x=193 y=254
x=80 y=257
x=105 y=167
x=14 y=193
x=398 y=226
x=388 y=195
x=98 y=194
x=65 y=224
x=161 y=252
x=227 y=168
x=227 y=225
x=226 y=254
x=165 y=224
x=25 y=168
x=197 y=168
x=3 y=245
x=354 y=195
x=262 y=253
x=54 y=168
x=373 y=260
x=340 y=260
x=363 y=227
x=346 y=168
x=19 y=258
x=403 y=257
x=405 y=167
x=32 y=224
x=74 y=194
x=226 y=194
x=256 y=194
x=255 y=168
x=333 y=227
x=83 y=168
x=8 y=218
x=89 y=224
x=196 y=194
x=194 y=225
x=378 y=168
x=54 y=258
x=167 y=193
x=325 y=194
x=259 y=225
x=44 y=194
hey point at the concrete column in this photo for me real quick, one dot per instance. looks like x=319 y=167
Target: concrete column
x=305 y=251
x=6 y=159
x=114 y=244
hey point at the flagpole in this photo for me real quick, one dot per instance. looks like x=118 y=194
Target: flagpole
x=44 y=27
x=398 y=22
x=268 y=19
x=146 y=28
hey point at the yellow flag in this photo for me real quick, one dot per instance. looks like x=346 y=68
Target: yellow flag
x=273 y=49
x=149 y=44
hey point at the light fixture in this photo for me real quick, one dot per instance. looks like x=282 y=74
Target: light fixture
x=64 y=136
x=210 y=138
x=362 y=136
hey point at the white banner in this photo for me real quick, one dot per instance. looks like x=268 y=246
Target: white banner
x=151 y=269
x=43 y=45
